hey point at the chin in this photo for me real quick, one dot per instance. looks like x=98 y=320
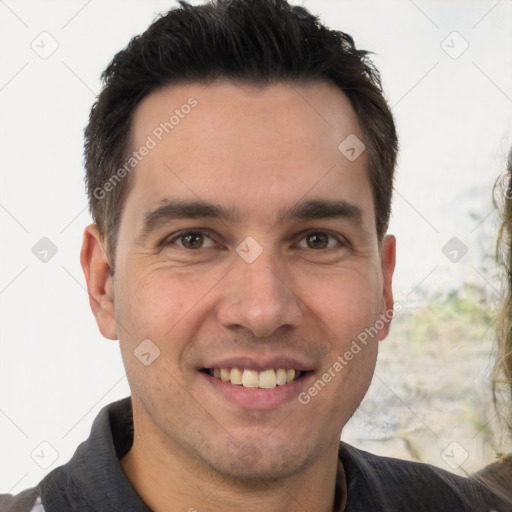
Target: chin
x=251 y=463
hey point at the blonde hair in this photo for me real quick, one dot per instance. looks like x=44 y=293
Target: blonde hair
x=502 y=372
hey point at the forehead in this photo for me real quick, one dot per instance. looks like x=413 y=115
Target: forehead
x=254 y=148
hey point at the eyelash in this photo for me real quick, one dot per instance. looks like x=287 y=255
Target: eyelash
x=342 y=241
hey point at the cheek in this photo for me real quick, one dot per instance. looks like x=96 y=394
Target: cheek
x=347 y=303
x=147 y=306
x=151 y=344
x=164 y=305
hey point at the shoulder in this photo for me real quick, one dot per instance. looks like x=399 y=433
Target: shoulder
x=498 y=477
x=25 y=501
x=395 y=484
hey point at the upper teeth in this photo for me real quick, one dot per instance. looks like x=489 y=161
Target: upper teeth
x=266 y=379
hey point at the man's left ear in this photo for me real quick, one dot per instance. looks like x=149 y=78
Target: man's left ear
x=388 y=256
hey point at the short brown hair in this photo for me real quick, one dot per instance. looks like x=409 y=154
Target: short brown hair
x=249 y=42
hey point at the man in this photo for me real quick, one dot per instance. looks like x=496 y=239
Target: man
x=240 y=165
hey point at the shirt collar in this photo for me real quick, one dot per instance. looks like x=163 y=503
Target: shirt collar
x=94 y=480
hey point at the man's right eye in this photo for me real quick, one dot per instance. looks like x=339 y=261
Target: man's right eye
x=191 y=240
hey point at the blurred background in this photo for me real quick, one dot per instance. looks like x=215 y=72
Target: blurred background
x=446 y=68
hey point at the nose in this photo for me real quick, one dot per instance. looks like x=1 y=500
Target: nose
x=260 y=297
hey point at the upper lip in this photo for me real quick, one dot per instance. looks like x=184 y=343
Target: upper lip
x=261 y=363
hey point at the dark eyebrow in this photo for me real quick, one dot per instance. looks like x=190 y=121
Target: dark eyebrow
x=179 y=209
x=322 y=209
x=307 y=210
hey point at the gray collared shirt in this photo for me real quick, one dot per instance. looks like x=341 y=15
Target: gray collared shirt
x=93 y=479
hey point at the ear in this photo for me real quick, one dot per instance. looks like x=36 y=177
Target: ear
x=388 y=256
x=99 y=281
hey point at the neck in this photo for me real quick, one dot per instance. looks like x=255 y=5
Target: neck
x=163 y=475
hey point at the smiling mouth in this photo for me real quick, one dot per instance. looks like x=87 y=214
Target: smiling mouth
x=265 y=379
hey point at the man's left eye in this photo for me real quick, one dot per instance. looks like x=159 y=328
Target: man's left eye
x=321 y=240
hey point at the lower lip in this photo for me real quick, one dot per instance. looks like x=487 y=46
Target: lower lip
x=256 y=398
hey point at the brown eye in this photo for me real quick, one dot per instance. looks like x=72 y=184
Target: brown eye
x=192 y=240
x=317 y=240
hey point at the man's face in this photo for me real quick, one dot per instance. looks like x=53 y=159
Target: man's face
x=282 y=283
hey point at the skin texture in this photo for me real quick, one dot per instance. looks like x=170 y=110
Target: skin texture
x=256 y=150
